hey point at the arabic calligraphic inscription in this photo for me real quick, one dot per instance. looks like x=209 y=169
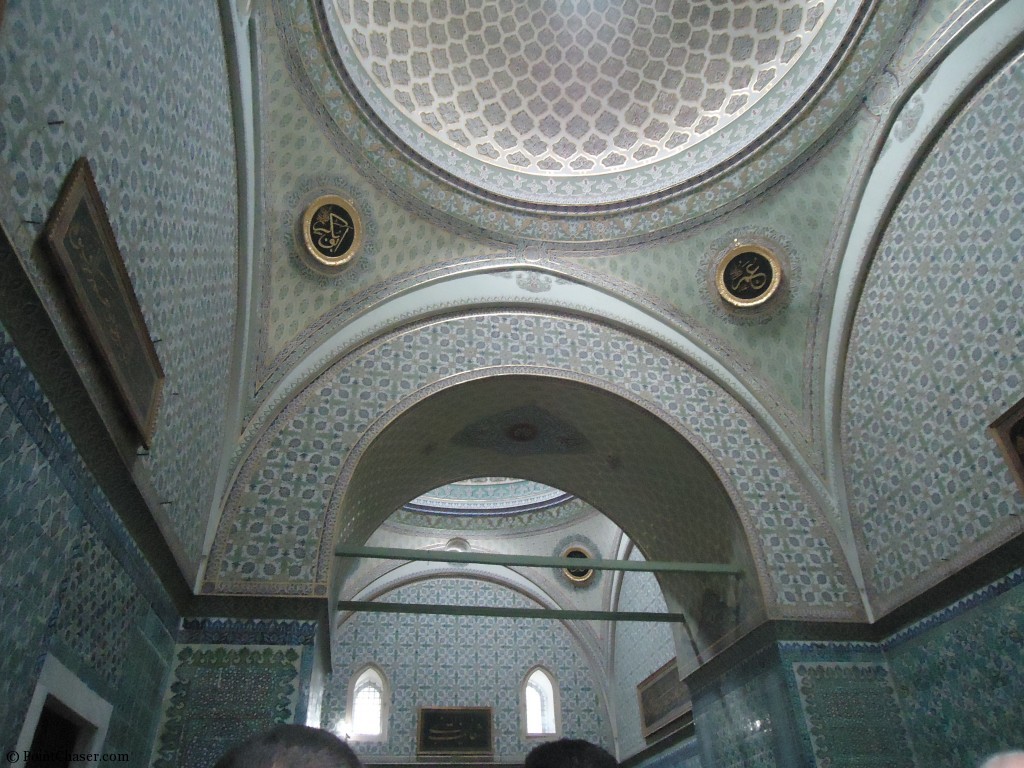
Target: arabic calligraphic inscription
x=748 y=276
x=581 y=575
x=332 y=231
x=455 y=731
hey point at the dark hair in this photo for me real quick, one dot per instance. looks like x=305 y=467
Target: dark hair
x=291 y=746
x=569 y=753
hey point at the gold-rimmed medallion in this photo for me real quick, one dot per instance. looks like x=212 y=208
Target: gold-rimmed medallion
x=748 y=275
x=578 y=575
x=332 y=231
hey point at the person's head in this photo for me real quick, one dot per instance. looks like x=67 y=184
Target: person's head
x=291 y=746
x=569 y=753
x=1004 y=760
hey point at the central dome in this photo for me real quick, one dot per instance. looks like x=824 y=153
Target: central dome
x=482 y=496
x=561 y=88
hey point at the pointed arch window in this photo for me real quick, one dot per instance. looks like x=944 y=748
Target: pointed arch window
x=369 y=700
x=540 y=704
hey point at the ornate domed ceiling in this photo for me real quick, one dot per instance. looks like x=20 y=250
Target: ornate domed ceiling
x=622 y=95
x=488 y=496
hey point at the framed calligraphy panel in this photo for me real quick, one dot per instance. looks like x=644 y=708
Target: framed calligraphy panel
x=663 y=699
x=81 y=242
x=454 y=731
x=1008 y=431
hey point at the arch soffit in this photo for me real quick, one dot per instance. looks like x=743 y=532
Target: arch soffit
x=771 y=501
x=628 y=462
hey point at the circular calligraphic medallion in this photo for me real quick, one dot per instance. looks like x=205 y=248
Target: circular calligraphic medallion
x=579 y=575
x=748 y=276
x=332 y=231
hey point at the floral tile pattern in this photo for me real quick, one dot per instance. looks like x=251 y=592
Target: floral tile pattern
x=72 y=581
x=231 y=679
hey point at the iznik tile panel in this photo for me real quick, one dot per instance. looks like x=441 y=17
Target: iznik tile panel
x=959 y=675
x=232 y=679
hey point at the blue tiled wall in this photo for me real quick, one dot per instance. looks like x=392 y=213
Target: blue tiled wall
x=458 y=661
x=685 y=754
x=141 y=89
x=73 y=583
x=745 y=717
x=943 y=693
x=960 y=677
x=640 y=649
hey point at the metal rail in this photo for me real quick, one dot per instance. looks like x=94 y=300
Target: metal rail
x=366 y=606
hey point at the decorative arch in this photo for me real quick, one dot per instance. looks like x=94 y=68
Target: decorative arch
x=322 y=435
x=581 y=438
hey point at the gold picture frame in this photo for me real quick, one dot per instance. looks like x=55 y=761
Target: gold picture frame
x=663 y=698
x=81 y=241
x=1008 y=432
x=455 y=731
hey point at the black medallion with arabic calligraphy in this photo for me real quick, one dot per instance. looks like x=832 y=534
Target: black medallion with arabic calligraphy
x=331 y=231
x=748 y=276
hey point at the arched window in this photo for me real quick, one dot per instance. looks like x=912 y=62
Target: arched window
x=540 y=703
x=368 y=706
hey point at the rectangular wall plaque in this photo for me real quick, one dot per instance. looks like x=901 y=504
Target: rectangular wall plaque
x=1008 y=431
x=85 y=252
x=455 y=731
x=663 y=698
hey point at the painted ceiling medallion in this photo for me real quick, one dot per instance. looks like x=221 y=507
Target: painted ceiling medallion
x=748 y=275
x=331 y=232
x=523 y=431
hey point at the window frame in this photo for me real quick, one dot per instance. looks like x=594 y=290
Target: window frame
x=385 y=705
x=556 y=704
